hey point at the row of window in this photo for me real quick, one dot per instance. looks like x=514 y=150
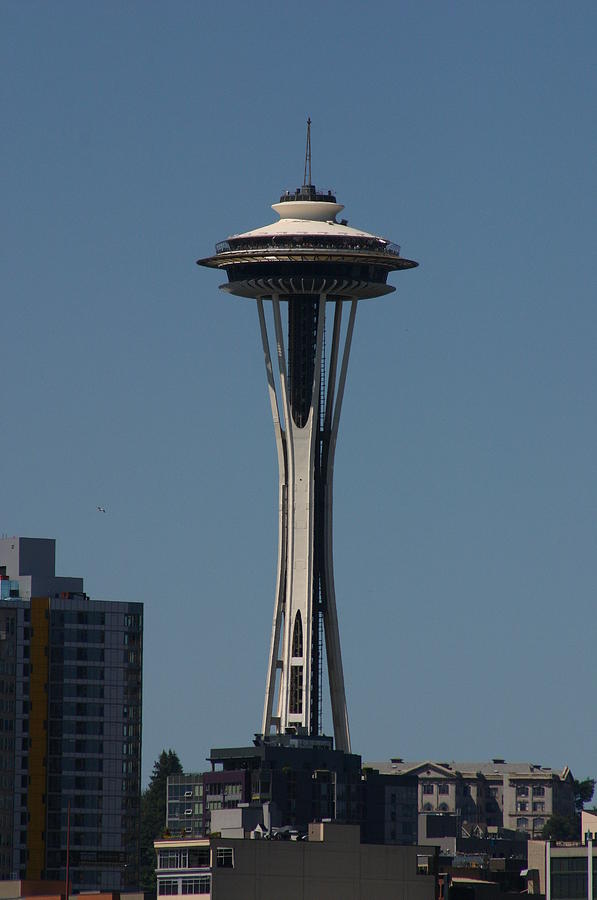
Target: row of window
x=194 y=857
x=522 y=790
x=523 y=806
x=228 y=790
x=82 y=636
x=441 y=788
x=184 y=791
x=170 y=886
x=523 y=823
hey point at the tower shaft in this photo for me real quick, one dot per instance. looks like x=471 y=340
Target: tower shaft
x=305 y=601
x=308 y=264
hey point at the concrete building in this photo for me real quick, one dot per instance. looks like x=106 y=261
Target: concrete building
x=70 y=726
x=304 y=265
x=303 y=779
x=563 y=871
x=330 y=864
x=488 y=795
x=185 y=804
x=297 y=780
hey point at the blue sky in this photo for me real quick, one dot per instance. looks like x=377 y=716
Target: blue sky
x=136 y=135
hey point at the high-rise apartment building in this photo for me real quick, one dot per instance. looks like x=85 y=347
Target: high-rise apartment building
x=70 y=725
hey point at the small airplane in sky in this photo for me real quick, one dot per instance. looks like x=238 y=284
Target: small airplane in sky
x=101 y=509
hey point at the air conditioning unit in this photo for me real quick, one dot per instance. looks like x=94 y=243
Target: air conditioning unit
x=188 y=793
x=188 y=812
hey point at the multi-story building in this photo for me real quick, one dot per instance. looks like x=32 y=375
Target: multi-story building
x=563 y=871
x=481 y=795
x=70 y=726
x=305 y=778
x=184 y=804
x=298 y=780
x=389 y=808
x=331 y=863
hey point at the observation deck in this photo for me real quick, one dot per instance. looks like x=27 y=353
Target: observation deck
x=307 y=251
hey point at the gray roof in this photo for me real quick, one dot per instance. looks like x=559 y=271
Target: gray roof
x=488 y=769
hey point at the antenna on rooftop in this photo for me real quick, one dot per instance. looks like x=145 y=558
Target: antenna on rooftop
x=308 y=155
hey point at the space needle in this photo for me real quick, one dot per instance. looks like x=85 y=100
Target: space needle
x=312 y=270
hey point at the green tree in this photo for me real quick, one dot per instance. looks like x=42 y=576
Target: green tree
x=583 y=792
x=153 y=813
x=561 y=828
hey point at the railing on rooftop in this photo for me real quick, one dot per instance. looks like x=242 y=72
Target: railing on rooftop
x=308 y=192
x=308 y=242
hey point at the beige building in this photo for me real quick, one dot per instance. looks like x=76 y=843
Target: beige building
x=487 y=795
x=563 y=870
x=331 y=864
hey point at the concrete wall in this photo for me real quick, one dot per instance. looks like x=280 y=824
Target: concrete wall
x=335 y=868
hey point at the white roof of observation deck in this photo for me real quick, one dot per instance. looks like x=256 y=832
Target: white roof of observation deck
x=303 y=217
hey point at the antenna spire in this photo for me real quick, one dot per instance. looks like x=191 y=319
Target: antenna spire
x=308 y=155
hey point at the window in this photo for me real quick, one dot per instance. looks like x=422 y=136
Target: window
x=539 y=806
x=199 y=857
x=443 y=788
x=522 y=806
x=225 y=858
x=538 y=824
x=297 y=636
x=522 y=824
x=173 y=859
x=200 y=885
x=428 y=788
x=538 y=790
x=493 y=791
x=443 y=807
x=168 y=886
x=522 y=790
x=427 y=807
x=296 y=690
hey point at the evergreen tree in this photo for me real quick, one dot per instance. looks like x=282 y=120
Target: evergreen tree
x=153 y=813
x=561 y=828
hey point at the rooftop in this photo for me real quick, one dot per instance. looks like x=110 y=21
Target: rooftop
x=471 y=769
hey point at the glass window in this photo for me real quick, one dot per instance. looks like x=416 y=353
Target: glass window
x=296 y=690
x=173 y=859
x=522 y=823
x=538 y=790
x=225 y=858
x=199 y=857
x=168 y=886
x=522 y=790
x=200 y=885
x=444 y=788
x=428 y=788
